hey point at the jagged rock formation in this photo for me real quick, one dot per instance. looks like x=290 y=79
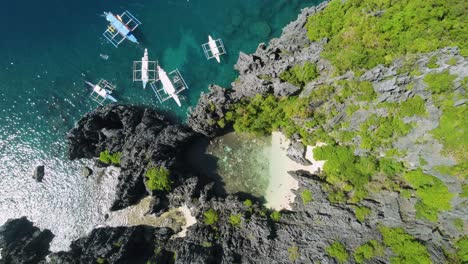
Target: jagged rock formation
x=136 y=244
x=21 y=242
x=144 y=137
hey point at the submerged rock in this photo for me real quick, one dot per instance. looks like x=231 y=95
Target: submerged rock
x=21 y=242
x=39 y=173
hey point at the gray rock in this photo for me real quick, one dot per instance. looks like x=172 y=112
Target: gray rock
x=21 y=242
x=296 y=152
x=39 y=173
x=87 y=171
x=460 y=102
x=285 y=89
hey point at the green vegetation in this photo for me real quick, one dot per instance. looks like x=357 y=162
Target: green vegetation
x=338 y=251
x=405 y=247
x=432 y=64
x=343 y=168
x=110 y=158
x=300 y=75
x=464 y=193
x=248 y=203
x=100 y=261
x=452 y=131
x=157 y=179
x=365 y=33
x=368 y=251
x=262 y=115
x=306 y=196
x=452 y=61
x=439 y=82
x=413 y=106
x=462 y=249
x=379 y=131
x=458 y=223
x=235 y=220
x=433 y=194
x=293 y=253
x=210 y=217
x=275 y=216
x=361 y=213
x=206 y=244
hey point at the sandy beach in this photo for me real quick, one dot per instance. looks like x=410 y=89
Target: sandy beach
x=279 y=193
x=137 y=215
x=189 y=220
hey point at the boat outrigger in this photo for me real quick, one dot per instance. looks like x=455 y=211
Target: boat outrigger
x=120 y=28
x=170 y=85
x=214 y=49
x=144 y=70
x=102 y=91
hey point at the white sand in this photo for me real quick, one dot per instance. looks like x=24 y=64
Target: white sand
x=281 y=185
x=137 y=215
x=190 y=220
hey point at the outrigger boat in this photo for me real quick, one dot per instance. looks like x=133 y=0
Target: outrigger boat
x=144 y=70
x=171 y=84
x=214 y=49
x=120 y=28
x=102 y=91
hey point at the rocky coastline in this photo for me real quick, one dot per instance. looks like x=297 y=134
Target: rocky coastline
x=302 y=235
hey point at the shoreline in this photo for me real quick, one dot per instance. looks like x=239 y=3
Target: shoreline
x=280 y=191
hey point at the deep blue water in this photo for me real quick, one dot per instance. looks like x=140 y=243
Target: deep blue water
x=46 y=49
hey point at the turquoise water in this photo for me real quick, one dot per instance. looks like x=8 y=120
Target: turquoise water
x=49 y=47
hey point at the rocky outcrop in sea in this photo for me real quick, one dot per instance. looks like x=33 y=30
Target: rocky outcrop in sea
x=23 y=243
x=144 y=138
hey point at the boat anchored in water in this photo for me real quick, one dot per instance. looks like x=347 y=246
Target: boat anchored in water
x=102 y=92
x=214 y=49
x=120 y=28
x=168 y=85
x=144 y=70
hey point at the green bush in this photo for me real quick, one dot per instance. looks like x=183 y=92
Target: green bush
x=452 y=131
x=459 y=224
x=262 y=115
x=300 y=75
x=275 y=216
x=361 y=213
x=110 y=158
x=306 y=196
x=439 y=82
x=432 y=64
x=248 y=203
x=368 y=251
x=452 y=61
x=433 y=194
x=406 y=248
x=342 y=166
x=210 y=217
x=365 y=33
x=235 y=220
x=413 y=106
x=293 y=253
x=338 y=251
x=157 y=179
x=462 y=249
x=390 y=167
x=464 y=192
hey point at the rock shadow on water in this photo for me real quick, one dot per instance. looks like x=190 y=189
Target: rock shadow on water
x=236 y=164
